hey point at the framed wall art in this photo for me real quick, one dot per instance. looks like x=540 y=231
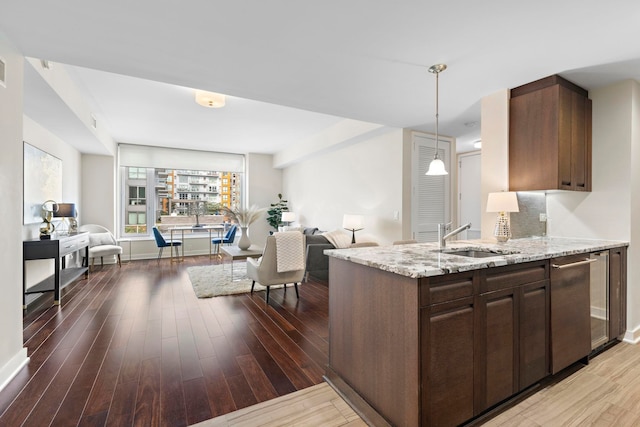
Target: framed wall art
x=42 y=182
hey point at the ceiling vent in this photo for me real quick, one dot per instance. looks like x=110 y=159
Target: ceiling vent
x=45 y=64
x=3 y=72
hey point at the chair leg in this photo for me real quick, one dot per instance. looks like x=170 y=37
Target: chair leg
x=160 y=254
x=101 y=261
x=252 y=285
x=119 y=261
x=295 y=285
x=285 y=288
x=266 y=298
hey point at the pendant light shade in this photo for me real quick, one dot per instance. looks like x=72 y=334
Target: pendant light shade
x=436 y=167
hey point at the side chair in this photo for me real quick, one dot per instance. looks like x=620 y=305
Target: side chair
x=228 y=238
x=162 y=243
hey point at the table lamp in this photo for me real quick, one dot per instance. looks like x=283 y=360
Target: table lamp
x=352 y=223
x=288 y=217
x=67 y=211
x=503 y=202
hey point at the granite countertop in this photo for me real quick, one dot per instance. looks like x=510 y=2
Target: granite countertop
x=426 y=259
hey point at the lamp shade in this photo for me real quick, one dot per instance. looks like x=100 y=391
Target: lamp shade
x=66 y=210
x=505 y=201
x=436 y=167
x=288 y=216
x=352 y=222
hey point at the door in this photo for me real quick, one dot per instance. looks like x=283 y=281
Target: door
x=469 y=194
x=431 y=195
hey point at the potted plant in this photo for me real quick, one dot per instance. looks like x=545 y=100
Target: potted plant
x=274 y=213
x=244 y=217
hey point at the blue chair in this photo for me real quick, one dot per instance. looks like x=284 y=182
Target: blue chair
x=228 y=238
x=162 y=243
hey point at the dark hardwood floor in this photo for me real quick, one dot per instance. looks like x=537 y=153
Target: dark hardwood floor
x=134 y=346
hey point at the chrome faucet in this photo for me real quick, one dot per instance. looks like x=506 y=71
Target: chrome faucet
x=443 y=228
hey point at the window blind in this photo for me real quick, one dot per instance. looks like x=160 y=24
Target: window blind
x=176 y=158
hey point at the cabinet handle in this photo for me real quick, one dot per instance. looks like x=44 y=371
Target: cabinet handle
x=574 y=264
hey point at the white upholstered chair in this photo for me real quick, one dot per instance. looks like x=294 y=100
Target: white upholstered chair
x=102 y=243
x=265 y=270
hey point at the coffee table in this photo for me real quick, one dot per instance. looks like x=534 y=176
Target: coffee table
x=235 y=253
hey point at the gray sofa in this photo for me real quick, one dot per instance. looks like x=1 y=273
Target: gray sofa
x=317 y=261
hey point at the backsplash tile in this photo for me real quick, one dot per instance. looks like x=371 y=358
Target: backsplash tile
x=526 y=223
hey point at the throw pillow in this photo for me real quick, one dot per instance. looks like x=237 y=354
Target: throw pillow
x=98 y=239
x=338 y=238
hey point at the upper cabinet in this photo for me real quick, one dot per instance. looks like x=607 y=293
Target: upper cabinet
x=550 y=136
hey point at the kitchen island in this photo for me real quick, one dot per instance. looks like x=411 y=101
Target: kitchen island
x=425 y=336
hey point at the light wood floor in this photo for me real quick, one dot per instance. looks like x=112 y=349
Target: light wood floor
x=604 y=393
x=319 y=405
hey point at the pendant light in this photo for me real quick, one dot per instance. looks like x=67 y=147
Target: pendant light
x=436 y=167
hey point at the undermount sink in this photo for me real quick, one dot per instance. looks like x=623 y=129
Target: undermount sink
x=473 y=253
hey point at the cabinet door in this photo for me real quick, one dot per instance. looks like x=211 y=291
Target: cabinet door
x=497 y=348
x=533 y=140
x=534 y=333
x=447 y=360
x=570 y=311
x=617 y=292
x=574 y=141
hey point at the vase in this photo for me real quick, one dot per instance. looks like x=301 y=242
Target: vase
x=244 y=241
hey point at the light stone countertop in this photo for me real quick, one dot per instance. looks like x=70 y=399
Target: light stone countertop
x=426 y=259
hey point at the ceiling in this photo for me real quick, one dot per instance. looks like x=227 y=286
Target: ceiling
x=292 y=69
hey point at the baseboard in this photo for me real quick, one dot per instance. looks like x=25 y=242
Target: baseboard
x=12 y=367
x=599 y=313
x=632 y=336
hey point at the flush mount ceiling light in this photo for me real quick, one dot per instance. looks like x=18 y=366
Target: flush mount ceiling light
x=210 y=99
x=436 y=167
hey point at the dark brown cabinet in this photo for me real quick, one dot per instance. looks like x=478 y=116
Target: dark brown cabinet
x=513 y=324
x=441 y=350
x=570 y=310
x=550 y=136
x=448 y=362
x=617 y=292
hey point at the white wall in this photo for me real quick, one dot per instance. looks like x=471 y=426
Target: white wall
x=264 y=182
x=41 y=138
x=612 y=209
x=363 y=178
x=12 y=355
x=495 y=153
x=99 y=191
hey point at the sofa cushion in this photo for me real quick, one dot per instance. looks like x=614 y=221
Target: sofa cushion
x=309 y=231
x=316 y=238
x=338 y=238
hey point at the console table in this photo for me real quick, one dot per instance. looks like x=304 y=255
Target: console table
x=56 y=248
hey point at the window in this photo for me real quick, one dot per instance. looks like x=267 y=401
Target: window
x=136 y=223
x=137 y=195
x=159 y=182
x=137 y=173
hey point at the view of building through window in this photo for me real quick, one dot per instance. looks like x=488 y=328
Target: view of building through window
x=151 y=193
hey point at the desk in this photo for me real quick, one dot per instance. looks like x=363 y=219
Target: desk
x=56 y=248
x=236 y=253
x=218 y=227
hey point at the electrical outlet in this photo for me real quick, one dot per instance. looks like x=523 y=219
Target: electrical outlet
x=396 y=215
x=543 y=217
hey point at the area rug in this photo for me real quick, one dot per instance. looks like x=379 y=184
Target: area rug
x=215 y=280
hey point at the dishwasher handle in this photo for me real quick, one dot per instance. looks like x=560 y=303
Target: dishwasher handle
x=574 y=264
